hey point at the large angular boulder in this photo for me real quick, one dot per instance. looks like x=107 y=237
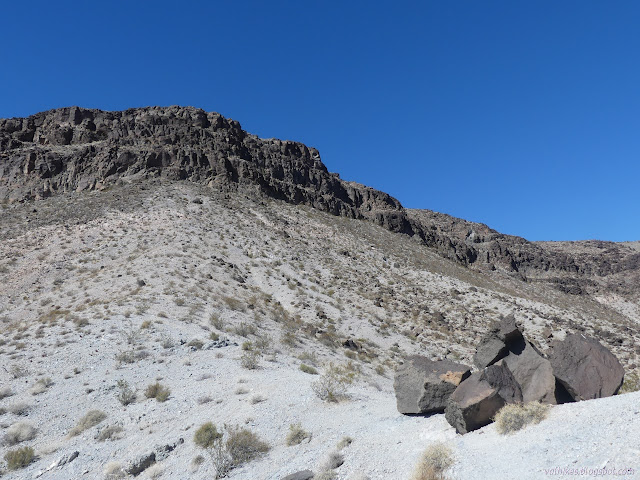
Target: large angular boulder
x=585 y=368
x=532 y=371
x=477 y=399
x=495 y=344
x=424 y=386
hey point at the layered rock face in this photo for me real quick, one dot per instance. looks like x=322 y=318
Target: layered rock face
x=74 y=149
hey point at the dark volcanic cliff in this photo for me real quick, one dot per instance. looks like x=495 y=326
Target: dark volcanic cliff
x=75 y=149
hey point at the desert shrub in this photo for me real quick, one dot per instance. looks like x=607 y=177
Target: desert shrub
x=206 y=435
x=308 y=369
x=234 y=304
x=631 y=383
x=113 y=471
x=243 y=445
x=344 y=442
x=126 y=395
x=435 y=461
x=91 y=419
x=250 y=360
x=112 y=432
x=41 y=386
x=5 y=392
x=245 y=329
x=257 y=399
x=19 y=432
x=333 y=383
x=332 y=461
x=515 y=416
x=19 y=458
x=296 y=434
x=20 y=408
x=157 y=391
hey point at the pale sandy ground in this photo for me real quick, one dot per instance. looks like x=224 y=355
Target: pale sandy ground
x=70 y=304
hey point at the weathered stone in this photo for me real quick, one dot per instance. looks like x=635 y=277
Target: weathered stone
x=495 y=344
x=301 y=475
x=141 y=463
x=532 y=371
x=424 y=386
x=478 y=398
x=585 y=368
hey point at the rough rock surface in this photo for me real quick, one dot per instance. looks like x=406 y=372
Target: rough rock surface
x=533 y=373
x=478 y=398
x=301 y=475
x=585 y=368
x=495 y=344
x=424 y=386
x=76 y=149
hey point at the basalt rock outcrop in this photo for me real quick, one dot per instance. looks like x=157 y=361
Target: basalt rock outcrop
x=476 y=400
x=585 y=368
x=76 y=149
x=424 y=386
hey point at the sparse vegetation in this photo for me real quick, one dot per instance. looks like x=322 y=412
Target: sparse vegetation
x=631 y=383
x=435 y=461
x=250 y=359
x=126 y=395
x=244 y=445
x=206 y=436
x=308 y=369
x=112 y=432
x=19 y=458
x=91 y=419
x=19 y=432
x=5 y=392
x=514 y=417
x=332 y=384
x=157 y=391
x=297 y=434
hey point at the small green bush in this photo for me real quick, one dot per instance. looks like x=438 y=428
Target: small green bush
x=206 y=435
x=243 y=445
x=332 y=385
x=126 y=395
x=157 y=391
x=631 y=383
x=19 y=458
x=515 y=416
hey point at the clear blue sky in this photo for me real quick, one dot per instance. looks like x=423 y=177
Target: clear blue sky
x=521 y=115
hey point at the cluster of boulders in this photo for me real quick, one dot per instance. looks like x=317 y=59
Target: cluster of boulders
x=510 y=369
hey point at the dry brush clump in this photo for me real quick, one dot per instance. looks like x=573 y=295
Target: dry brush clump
x=434 y=463
x=297 y=434
x=19 y=458
x=514 y=417
x=333 y=383
x=19 y=432
x=241 y=446
x=157 y=391
x=91 y=419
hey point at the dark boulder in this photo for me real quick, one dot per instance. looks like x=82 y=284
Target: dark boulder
x=532 y=371
x=478 y=398
x=495 y=344
x=424 y=386
x=585 y=368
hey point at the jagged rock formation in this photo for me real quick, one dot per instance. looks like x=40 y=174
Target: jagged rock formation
x=75 y=149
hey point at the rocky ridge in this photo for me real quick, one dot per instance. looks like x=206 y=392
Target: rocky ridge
x=76 y=149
